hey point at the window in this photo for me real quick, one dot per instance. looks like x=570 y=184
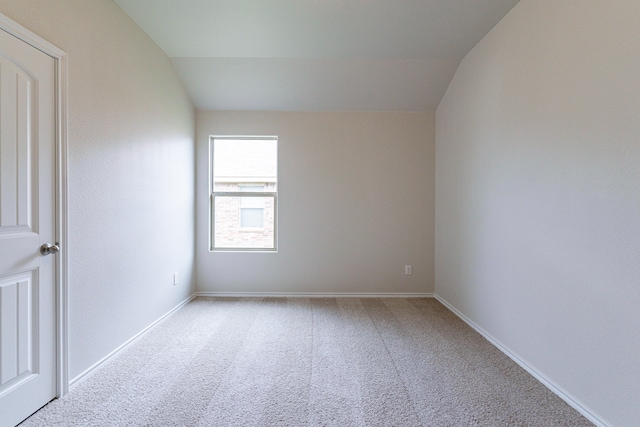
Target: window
x=244 y=182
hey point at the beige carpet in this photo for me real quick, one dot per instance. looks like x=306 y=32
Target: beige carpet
x=310 y=362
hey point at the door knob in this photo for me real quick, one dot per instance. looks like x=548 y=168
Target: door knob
x=48 y=249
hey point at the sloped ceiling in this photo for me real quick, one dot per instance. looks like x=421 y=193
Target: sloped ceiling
x=316 y=55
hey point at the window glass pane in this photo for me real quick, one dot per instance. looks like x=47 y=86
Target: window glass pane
x=237 y=227
x=239 y=162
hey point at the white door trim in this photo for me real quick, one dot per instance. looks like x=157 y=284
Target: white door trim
x=61 y=220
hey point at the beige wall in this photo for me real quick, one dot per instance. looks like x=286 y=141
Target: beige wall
x=131 y=173
x=538 y=200
x=355 y=204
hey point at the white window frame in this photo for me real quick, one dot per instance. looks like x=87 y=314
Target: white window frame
x=214 y=194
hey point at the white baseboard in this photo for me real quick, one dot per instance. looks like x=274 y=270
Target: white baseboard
x=311 y=295
x=96 y=366
x=555 y=388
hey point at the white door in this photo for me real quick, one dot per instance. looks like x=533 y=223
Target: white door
x=27 y=209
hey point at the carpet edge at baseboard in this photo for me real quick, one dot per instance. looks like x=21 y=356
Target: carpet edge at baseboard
x=546 y=381
x=106 y=359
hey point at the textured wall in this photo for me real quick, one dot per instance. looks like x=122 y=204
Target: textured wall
x=355 y=204
x=131 y=173
x=537 y=201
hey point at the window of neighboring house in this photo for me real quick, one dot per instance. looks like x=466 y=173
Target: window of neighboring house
x=251 y=208
x=244 y=182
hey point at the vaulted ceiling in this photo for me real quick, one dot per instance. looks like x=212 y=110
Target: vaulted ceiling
x=316 y=55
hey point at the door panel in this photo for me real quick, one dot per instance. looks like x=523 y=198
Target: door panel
x=18 y=317
x=16 y=151
x=27 y=220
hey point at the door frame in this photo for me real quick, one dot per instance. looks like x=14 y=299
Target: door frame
x=61 y=192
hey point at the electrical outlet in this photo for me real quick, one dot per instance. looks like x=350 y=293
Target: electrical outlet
x=407 y=270
x=175 y=279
